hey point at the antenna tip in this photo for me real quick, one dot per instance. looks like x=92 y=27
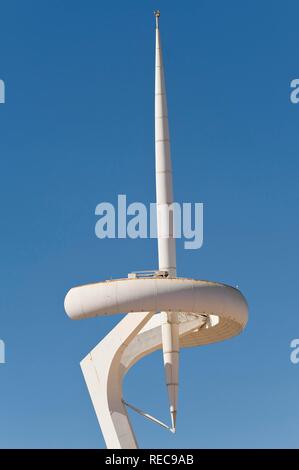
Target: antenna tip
x=173 y=420
x=157 y=15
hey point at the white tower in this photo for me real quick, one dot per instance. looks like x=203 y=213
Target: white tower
x=166 y=240
x=163 y=311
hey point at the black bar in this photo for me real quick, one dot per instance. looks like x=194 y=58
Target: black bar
x=149 y=458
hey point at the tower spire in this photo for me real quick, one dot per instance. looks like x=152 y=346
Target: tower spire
x=157 y=15
x=166 y=240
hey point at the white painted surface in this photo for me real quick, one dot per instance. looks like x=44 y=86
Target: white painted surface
x=166 y=246
x=193 y=312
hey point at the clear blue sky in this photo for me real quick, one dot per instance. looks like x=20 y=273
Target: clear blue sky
x=77 y=129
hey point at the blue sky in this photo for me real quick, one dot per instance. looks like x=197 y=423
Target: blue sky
x=76 y=130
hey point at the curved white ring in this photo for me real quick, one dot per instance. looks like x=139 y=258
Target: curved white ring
x=174 y=294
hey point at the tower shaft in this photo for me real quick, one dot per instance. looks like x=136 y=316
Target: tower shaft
x=166 y=240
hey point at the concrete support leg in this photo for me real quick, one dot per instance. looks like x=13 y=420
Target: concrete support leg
x=103 y=375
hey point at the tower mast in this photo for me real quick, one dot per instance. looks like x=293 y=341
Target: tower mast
x=166 y=240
